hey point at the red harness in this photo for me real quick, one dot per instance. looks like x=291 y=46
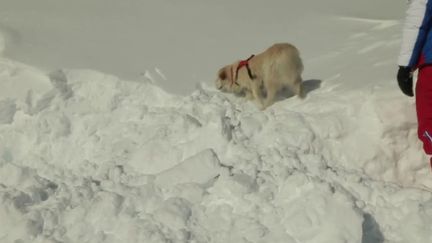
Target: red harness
x=243 y=63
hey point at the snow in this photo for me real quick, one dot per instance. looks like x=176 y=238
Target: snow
x=87 y=156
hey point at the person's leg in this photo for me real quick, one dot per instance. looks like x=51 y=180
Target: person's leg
x=424 y=107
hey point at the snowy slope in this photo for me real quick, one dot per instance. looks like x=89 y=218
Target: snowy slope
x=88 y=157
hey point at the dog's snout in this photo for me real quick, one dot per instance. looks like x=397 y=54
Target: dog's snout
x=218 y=84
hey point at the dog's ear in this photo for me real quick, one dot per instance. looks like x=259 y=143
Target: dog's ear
x=222 y=74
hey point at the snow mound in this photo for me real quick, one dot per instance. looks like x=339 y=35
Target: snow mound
x=87 y=157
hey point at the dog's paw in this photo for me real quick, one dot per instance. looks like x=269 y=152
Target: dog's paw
x=262 y=106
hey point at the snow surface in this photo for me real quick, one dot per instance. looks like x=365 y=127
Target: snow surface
x=86 y=156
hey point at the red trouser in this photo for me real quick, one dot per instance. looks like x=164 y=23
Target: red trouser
x=424 y=107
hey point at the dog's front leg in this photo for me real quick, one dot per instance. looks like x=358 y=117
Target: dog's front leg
x=256 y=92
x=271 y=93
x=248 y=94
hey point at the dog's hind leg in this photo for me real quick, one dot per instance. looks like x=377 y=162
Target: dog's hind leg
x=297 y=88
x=299 y=91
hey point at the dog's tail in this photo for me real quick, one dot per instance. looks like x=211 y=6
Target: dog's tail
x=298 y=62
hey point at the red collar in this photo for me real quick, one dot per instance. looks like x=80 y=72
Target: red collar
x=243 y=63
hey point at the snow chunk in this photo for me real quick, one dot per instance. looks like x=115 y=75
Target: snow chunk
x=59 y=80
x=199 y=168
x=105 y=208
x=7 y=111
x=318 y=212
x=11 y=175
x=174 y=213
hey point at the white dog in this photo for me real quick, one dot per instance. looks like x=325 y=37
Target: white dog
x=262 y=76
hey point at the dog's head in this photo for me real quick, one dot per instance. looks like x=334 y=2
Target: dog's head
x=225 y=82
